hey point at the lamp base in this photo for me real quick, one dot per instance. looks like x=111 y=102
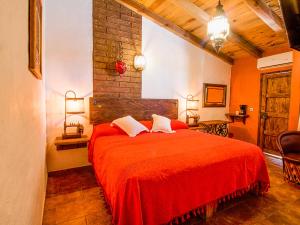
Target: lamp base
x=77 y=134
x=192 y=120
x=71 y=135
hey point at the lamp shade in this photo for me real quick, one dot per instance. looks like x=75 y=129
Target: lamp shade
x=74 y=105
x=139 y=62
x=192 y=104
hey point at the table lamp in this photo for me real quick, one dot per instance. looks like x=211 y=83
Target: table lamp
x=192 y=107
x=73 y=105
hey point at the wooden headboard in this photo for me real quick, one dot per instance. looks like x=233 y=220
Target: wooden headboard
x=104 y=110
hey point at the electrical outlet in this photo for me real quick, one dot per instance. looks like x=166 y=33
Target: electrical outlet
x=251 y=109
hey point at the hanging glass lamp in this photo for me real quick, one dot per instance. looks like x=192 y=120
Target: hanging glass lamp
x=218 y=28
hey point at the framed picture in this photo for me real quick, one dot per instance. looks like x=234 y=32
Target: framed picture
x=214 y=95
x=35 y=38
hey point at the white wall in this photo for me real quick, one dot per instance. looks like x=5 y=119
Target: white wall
x=176 y=68
x=68 y=65
x=22 y=122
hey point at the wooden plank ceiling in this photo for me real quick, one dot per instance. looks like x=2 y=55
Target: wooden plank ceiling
x=256 y=25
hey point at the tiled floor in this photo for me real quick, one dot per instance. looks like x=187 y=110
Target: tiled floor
x=73 y=197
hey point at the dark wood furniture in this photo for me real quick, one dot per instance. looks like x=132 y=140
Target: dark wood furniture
x=288 y=144
x=104 y=110
x=218 y=127
x=72 y=143
x=233 y=117
x=199 y=127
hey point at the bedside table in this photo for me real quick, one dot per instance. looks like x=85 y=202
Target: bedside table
x=199 y=127
x=65 y=144
x=217 y=127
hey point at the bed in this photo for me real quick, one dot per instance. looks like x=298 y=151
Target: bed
x=159 y=178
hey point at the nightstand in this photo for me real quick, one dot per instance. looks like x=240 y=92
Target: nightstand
x=72 y=143
x=199 y=127
x=217 y=127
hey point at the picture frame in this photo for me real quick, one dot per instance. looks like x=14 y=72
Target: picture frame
x=35 y=38
x=214 y=95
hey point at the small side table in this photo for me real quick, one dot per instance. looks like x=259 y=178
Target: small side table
x=235 y=117
x=199 y=127
x=72 y=143
x=218 y=127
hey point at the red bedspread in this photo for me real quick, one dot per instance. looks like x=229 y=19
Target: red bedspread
x=155 y=177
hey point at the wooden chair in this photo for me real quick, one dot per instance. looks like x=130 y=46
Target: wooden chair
x=288 y=143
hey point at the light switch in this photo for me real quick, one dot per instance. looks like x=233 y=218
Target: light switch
x=251 y=109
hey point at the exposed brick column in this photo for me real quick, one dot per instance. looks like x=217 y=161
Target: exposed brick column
x=113 y=23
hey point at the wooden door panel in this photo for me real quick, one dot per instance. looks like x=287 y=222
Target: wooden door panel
x=274 y=126
x=270 y=143
x=278 y=105
x=274 y=108
x=279 y=85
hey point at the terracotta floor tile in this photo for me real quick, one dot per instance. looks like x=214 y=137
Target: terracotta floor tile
x=98 y=219
x=79 y=221
x=74 y=210
x=70 y=211
x=49 y=217
x=279 y=218
x=56 y=201
x=92 y=194
x=52 y=187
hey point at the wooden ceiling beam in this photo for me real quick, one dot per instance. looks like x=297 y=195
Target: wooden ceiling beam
x=143 y=11
x=266 y=14
x=203 y=17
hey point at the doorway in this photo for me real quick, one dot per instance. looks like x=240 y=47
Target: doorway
x=274 y=109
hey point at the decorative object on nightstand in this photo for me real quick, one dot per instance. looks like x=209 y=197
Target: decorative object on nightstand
x=73 y=105
x=243 y=109
x=192 y=107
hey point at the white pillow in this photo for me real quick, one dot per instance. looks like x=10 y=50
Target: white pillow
x=161 y=124
x=130 y=126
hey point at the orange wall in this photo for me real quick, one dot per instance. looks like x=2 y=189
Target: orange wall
x=295 y=93
x=245 y=86
x=245 y=89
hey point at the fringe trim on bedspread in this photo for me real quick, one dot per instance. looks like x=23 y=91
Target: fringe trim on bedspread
x=257 y=188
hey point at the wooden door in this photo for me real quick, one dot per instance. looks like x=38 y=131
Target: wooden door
x=274 y=108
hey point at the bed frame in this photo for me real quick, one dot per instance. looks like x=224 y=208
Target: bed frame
x=103 y=110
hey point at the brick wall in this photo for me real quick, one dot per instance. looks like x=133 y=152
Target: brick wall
x=113 y=23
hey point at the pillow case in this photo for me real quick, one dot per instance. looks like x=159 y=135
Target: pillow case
x=130 y=126
x=177 y=125
x=161 y=124
x=147 y=123
x=104 y=129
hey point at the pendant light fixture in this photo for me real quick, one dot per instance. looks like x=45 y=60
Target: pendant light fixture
x=218 y=28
